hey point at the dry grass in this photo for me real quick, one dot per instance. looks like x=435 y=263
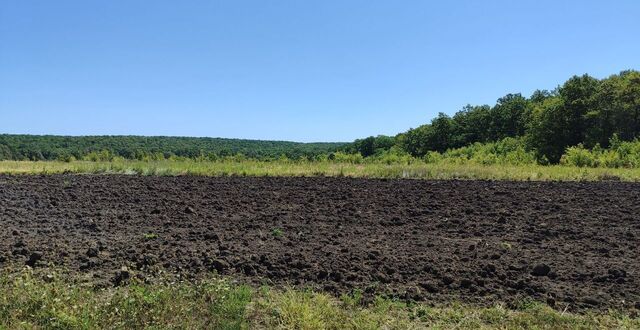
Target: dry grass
x=418 y=170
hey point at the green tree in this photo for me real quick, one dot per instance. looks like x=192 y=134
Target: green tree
x=414 y=141
x=549 y=130
x=366 y=147
x=442 y=134
x=630 y=99
x=578 y=98
x=601 y=119
x=509 y=117
x=472 y=124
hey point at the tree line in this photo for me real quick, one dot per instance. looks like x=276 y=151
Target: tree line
x=51 y=147
x=583 y=111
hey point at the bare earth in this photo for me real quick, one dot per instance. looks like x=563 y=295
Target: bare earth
x=481 y=242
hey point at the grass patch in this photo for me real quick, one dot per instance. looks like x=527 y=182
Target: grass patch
x=415 y=170
x=149 y=236
x=277 y=232
x=31 y=300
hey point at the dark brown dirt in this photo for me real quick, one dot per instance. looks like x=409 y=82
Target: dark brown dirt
x=569 y=244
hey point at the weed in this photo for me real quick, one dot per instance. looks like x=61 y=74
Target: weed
x=149 y=236
x=506 y=245
x=277 y=232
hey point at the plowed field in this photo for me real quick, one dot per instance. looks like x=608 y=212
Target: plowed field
x=569 y=244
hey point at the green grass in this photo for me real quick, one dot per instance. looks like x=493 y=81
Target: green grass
x=149 y=236
x=34 y=301
x=277 y=232
x=418 y=170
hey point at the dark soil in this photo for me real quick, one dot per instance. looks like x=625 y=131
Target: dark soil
x=569 y=244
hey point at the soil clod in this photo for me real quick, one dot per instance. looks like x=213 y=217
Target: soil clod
x=440 y=241
x=541 y=270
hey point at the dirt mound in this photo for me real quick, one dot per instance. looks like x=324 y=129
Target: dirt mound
x=570 y=244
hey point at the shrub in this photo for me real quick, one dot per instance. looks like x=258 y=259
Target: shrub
x=579 y=156
x=341 y=157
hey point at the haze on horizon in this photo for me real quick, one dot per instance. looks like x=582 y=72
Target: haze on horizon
x=295 y=71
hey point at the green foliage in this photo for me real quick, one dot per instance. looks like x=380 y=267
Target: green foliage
x=620 y=154
x=341 y=157
x=433 y=157
x=373 y=145
x=107 y=148
x=433 y=166
x=34 y=301
x=394 y=155
x=543 y=133
x=64 y=157
x=277 y=232
x=584 y=110
x=509 y=151
x=149 y=236
x=52 y=301
x=510 y=116
x=99 y=156
x=579 y=156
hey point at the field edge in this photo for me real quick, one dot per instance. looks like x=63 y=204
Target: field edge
x=418 y=170
x=47 y=298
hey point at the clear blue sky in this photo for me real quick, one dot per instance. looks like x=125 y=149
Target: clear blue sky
x=290 y=70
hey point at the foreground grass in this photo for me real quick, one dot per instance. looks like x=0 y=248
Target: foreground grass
x=419 y=170
x=35 y=301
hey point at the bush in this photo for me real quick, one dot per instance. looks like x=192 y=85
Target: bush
x=433 y=157
x=66 y=158
x=394 y=155
x=579 y=156
x=102 y=156
x=509 y=151
x=620 y=154
x=341 y=157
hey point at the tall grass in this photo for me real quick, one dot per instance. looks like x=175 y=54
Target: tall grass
x=248 y=167
x=37 y=301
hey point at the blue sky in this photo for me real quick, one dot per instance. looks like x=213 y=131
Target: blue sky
x=290 y=70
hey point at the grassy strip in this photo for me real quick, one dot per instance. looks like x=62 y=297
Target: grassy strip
x=36 y=301
x=417 y=170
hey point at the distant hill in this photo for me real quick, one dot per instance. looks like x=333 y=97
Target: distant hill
x=52 y=147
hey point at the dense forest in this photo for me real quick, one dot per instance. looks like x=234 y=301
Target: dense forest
x=583 y=121
x=50 y=147
x=582 y=112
